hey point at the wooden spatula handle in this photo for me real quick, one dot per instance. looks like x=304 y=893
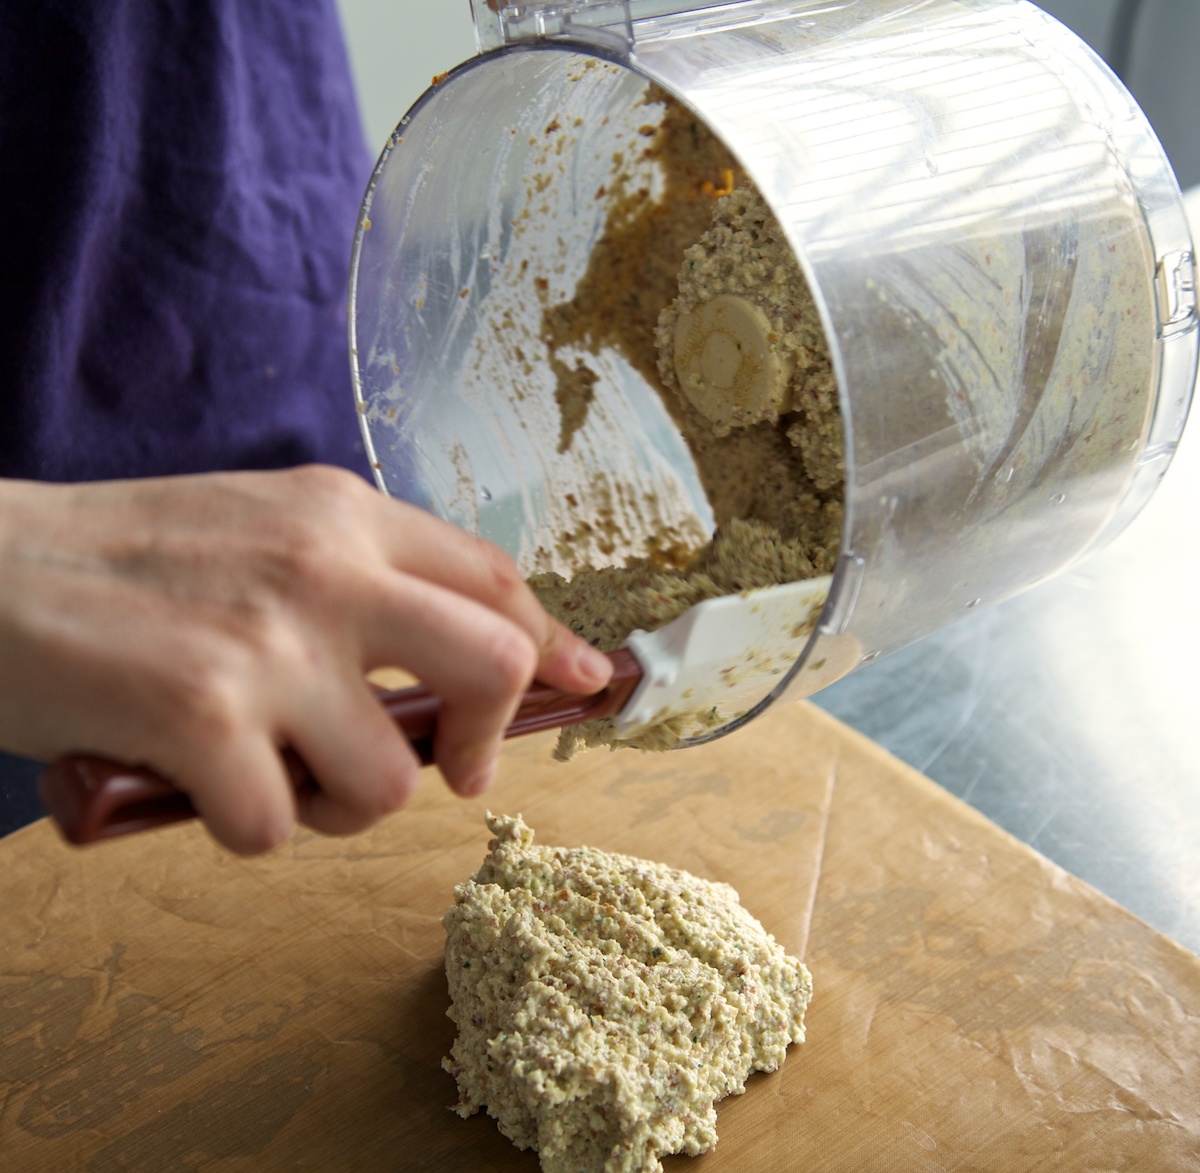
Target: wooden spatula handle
x=93 y=799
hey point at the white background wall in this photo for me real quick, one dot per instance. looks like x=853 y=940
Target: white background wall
x=1162 y=64
x=396 y=46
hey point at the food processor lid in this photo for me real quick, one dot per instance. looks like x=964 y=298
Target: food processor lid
x=608 y=22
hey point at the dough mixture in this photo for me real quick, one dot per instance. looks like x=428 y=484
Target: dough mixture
x=700 y=291
x=604 y=1003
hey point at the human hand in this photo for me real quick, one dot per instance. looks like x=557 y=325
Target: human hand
x=201 y=626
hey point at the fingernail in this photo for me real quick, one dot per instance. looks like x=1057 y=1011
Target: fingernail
x=594 y=666
x=480 y=782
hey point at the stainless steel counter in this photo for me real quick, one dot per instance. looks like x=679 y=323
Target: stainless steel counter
x=1070 y=715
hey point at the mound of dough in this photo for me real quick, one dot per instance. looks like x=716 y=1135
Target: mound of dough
x=604 y=1003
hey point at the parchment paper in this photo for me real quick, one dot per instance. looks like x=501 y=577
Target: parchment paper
x=165 y=1006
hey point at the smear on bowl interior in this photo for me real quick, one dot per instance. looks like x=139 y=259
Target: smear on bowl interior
x=700 y=291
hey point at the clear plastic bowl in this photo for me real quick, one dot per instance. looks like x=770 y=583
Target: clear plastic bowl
x=992 y=233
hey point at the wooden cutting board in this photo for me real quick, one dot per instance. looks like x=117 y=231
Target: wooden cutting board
x=165 y=1006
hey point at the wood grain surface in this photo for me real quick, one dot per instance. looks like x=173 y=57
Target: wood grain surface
x=165 y=1006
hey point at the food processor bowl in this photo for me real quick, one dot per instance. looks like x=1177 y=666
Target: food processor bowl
x=992 y=235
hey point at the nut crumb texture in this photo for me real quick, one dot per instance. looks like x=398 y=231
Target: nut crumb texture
x=605 y=1003
x=696 y=286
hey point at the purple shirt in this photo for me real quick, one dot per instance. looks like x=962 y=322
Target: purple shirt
x=179 y=181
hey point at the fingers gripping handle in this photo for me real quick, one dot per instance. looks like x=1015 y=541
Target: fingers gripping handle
x=92 y=799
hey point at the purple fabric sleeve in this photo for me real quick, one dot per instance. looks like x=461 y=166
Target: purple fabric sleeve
x=179 y=181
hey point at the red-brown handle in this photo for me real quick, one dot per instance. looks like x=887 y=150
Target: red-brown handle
x=92 y=799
